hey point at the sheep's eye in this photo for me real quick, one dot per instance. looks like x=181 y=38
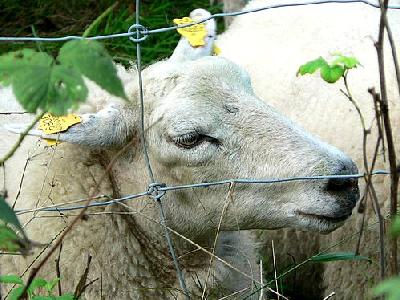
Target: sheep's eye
x=188 y=140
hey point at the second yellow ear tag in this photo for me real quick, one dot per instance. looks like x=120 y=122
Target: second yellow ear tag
x=216 y=50
x=50 y=124
x=195 y=34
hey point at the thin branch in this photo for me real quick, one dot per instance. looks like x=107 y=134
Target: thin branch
x=274 y=261
x=384 y=105
x=20 y=140
x=394 y=52
x=228 y=200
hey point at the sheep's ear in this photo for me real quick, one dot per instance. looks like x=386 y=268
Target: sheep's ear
x=108 y=128
x=185 y=51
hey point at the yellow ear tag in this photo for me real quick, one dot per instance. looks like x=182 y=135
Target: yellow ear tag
x=216 y=50
x=50 y=124
x=195 y=34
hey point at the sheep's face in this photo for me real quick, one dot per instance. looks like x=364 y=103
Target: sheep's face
x=211 y=126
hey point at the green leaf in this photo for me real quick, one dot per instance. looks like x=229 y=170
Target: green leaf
x=14 y=63
x=11 y=279
x=334 y=256
x=16 y=293
x=93 y=61
x=389 y=287
x=331 y=74
x=9 y=240
x=312 y=66
x=348 y=62
x=38 y=82
x=7 y=215
x=36 y=283
x=395 y=228
x=51 y=284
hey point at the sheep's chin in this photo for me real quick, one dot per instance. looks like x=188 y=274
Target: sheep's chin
x=319 y=223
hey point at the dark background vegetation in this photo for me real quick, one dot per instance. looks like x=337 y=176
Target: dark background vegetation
x=54 y=18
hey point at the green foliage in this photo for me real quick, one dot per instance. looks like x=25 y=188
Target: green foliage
x=7 y=214
x=335 y=256
x=41 y=82
x=11 y=279
x=12 y=236
x=330 y=72
x=34 y=288
x=395 y=229
x=389 y=287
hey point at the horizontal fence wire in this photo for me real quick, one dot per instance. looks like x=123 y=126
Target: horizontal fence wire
x=62 y=208
x=133 y=33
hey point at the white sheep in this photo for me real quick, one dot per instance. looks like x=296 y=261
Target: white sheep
x=204 y=123
x=271 y=45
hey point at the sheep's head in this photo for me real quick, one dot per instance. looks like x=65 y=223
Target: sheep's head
x=204 y=123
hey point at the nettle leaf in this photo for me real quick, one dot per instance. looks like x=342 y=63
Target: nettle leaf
x=93 y=61
x=331 y=74
x=15 y=279
x=348 y=62
x=39 y=83
x=335 y=256
x=389 y=287
x=312 y=66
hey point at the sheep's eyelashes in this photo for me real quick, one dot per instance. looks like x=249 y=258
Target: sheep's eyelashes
x=191 y=140
x=188 y=140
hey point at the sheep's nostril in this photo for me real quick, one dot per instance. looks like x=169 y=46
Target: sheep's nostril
x=345 y=188
x=342 y=185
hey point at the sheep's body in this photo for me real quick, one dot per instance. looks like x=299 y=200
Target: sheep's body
x=271 y=45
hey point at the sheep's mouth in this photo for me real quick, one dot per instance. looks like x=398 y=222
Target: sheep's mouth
x=324 y=218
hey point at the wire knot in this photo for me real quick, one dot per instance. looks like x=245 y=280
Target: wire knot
x=138 y=33
x=154 y=190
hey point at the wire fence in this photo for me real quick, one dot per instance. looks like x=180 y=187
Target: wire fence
x=138 y=33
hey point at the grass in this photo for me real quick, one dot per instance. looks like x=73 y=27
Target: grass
x=59 y=18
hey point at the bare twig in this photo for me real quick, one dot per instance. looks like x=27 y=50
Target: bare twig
x=274 y=261
x=58 y=271
x=384 y=105
x=81 y=286
x=394 y=52
x=228 y=200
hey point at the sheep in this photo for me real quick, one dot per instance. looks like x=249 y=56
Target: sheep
x=271 y=45
x=204 y=123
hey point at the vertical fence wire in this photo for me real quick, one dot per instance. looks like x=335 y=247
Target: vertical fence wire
x=157 y=196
